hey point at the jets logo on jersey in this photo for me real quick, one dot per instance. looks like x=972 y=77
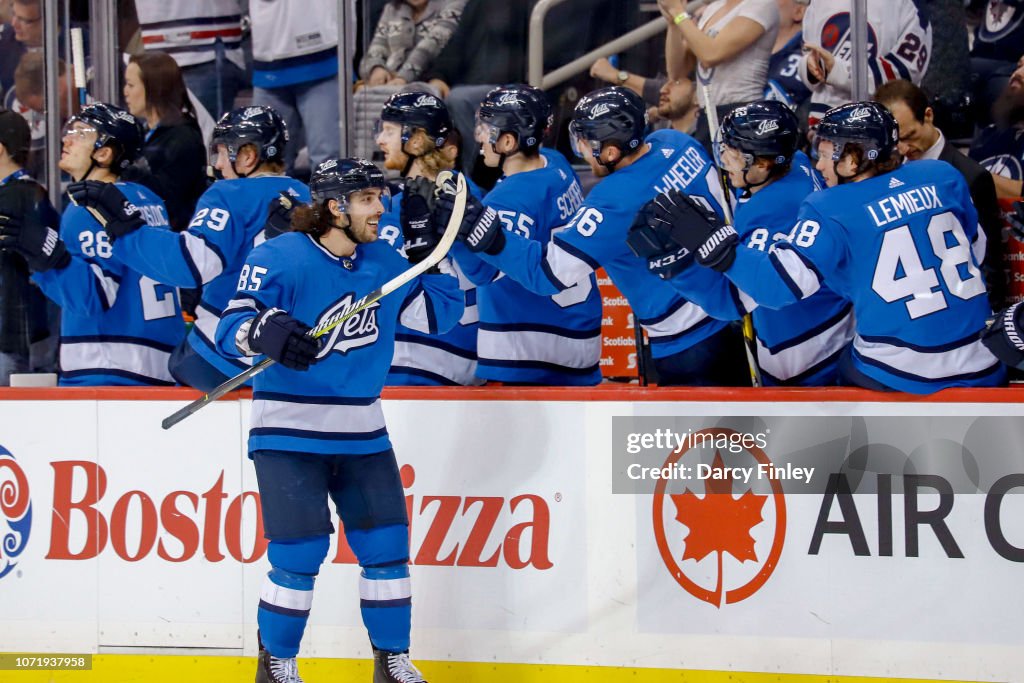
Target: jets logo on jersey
x=767 y=126
x=355 y=332
x=1004 y=165
x=835 y=37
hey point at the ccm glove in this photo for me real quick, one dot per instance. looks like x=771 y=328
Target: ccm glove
x=40 y=245
x=276 y=334
x=480 y=230
x=119 y=215
x=279 y=217
x=1003 y=336
x=418 y=229
x=651 y=240
x=698 y=228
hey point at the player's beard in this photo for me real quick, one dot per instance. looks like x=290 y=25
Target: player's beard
x=396 y=162
x=1008 y=109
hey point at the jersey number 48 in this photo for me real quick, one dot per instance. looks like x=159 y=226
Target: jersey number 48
x=899 y=273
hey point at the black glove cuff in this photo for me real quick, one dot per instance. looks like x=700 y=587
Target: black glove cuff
x=497 y=244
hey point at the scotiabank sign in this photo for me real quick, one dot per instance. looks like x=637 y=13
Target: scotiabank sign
x=88 y=519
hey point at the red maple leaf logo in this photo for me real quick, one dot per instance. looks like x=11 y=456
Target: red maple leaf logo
x=718 y=522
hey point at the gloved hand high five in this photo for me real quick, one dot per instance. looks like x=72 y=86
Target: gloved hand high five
x=276 y=334
x=696 y=227
x=651 y=239
x=480 y=230
x=418 y=229
x=40 y=245
x=1005 y=336
x=120 y=216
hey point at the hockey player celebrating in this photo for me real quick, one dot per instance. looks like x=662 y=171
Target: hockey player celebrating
x=320 y=435
x=799 y=344
x=247 y=150
x=525 y=338
x=687 y=345
x=118 y=327
x=900 y=242
x=416 y=135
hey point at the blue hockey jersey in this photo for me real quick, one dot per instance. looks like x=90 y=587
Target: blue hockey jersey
x=525 y=337
x=333 y=408
x=227 y=224
x=596 y=237
x=904 y=248
x=421 y=359
x=784 y=83
x=799 y=344
x=118 y=327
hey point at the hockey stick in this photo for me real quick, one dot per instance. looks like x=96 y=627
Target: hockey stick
x=78 y=66
x=451 y=231
x=749 y=344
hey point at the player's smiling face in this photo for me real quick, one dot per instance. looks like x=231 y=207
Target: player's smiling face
x=364 y=210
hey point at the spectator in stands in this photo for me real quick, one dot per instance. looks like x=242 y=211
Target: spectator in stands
x=28 y=99
x=10 y=55
x=902 y=46
x=23 y=309
x=205 y=39
x=27 y=20
x=677 y=104
x=730 y=44
x=154 y=92
x=784 y=84
x=295 y=48
x=647 y=88
x=1000 y=146
x=920 y=139
x=997 y=45
x=409 y=35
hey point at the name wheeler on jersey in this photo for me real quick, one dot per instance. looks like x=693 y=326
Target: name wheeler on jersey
x=433 y=359
x=227 y=224
x=905 y=249
x=296 y=273
x=118 y=326
x=596 y=237
x=799 y=344
x=524 y=337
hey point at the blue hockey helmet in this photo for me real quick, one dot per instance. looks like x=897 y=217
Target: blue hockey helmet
x=115 y=128
x=610 y=116
x=869 y=125
x=258 y=125
x=762 y=129
x=339 y=178
x=521 y=110
x=414 y=110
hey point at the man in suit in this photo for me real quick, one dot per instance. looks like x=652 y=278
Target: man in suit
x=920 y=139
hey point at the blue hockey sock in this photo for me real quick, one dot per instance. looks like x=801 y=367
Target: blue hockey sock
x=287 y=593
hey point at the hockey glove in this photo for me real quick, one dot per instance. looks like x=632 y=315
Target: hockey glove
x=698 y=228
x=652 y=240
x=480 y=230
x=120 y=215
x=1004 y=336
x=279 y=217
x=418 y=229
x=1016 y=220
x=276 y=334
x=40 y=245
